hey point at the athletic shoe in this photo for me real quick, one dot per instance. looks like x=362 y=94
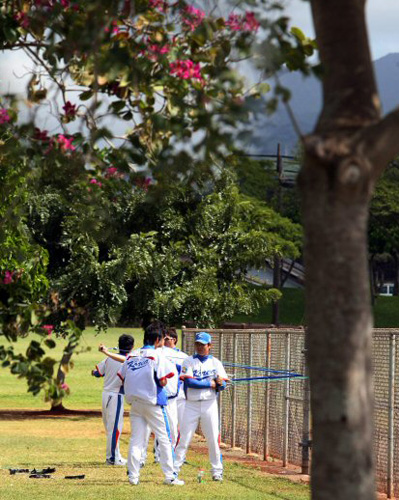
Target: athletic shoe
x=174 y=482
x=120 y=461
x=134 y=481
x=109 y=462
x=217 y=477
x=142 y=464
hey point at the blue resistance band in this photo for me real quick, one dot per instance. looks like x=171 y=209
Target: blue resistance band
x=271 y=377
x=258 y=368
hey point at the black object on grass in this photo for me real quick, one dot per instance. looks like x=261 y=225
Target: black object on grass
x=18 y=471
x=79 y=476
x=46 y=470
x=38 y=476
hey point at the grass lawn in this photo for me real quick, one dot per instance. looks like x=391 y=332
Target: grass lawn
x=76 y=445
x=292 y=311
x=85 y=389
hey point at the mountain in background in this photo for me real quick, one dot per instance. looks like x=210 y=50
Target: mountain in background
x=306 y=101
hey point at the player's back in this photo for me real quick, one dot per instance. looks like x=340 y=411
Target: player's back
x=108 y=369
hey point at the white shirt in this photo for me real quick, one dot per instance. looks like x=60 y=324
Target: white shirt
x=174 y=387
x=208 y=370
x=108 y=368
x=140 y=373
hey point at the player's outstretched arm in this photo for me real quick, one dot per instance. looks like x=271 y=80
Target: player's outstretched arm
x=112 y=355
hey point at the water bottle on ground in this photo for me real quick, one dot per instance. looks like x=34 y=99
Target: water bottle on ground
x=200 y=476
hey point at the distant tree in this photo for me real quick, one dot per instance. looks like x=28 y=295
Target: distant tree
x=384 y=218
x=90 y=220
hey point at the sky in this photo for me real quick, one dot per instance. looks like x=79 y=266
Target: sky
x=382 y=21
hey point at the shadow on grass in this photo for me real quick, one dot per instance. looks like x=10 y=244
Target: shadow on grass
x=38 y=414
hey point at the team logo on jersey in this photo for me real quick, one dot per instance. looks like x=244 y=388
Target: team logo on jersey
x=136 y=364
x=184 y=369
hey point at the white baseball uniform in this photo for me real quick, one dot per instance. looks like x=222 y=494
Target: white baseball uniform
x=112 y=406
x=201 y=405
x=141 y=373
x=176 y=399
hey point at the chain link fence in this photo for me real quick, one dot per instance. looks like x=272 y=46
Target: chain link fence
x=271 y=417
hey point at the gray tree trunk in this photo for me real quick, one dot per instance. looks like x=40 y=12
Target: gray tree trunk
x=344 y=156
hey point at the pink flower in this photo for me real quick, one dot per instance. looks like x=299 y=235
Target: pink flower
x=22 y=19
x=250 y=22
x=4 y=116
x=70 y=109
x=161 y=5
x=234 y=22
x=8 y=277
x=96 y=182
x=155 y=50
x=186 y=69
x=112 y=170
x=64 y=386
x=48 y=328
x=247 y=22
x=65 y=142
x=192 y=17
x=65 y=3
x=41 y=135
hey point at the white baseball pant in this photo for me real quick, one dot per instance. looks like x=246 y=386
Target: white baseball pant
x=171 y=410
x=112 y=412
x=207 y=413
x=142 y=415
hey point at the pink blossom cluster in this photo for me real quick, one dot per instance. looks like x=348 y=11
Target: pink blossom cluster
x=70 y=109
x=51 y=3
x=112 y=172
x=64 y=386
x=65 y=143
x=96 y=182
x=154 y=51
x=192 y=17
x=4 y=116
x=246 y=22
x=22 y=19
x=186 y=69
x=161 y=5
x=8 y=277
x=41 y=135
x=48 y=329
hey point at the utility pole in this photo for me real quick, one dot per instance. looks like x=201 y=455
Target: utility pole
x=277 y=259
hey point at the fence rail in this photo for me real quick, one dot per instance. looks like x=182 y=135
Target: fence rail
x=272 y=418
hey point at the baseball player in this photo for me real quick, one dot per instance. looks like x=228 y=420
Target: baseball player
x=177 y=357
x=174 y=390
x=203 y=377
x=145 y=373
x=112 y=400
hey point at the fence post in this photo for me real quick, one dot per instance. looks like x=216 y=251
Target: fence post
x=306 y=412
x=286 y=399
x=219 y=394
x=391 y=416
x=183 y=339
x=249 y=399
x=234 y=395
x=267 y=399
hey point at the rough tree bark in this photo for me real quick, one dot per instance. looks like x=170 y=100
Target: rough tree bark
x=344 y=156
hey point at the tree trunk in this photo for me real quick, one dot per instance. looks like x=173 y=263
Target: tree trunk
x=396 y=280
x=338 y=316
x=344 y=156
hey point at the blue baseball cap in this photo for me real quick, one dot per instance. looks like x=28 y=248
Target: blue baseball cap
x=203 y=338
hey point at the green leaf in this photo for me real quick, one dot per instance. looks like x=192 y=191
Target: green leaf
x=298 y=33
x=85 y=96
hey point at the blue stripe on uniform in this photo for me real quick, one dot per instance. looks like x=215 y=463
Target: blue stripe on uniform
x=165 y=416
x=115 y=430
